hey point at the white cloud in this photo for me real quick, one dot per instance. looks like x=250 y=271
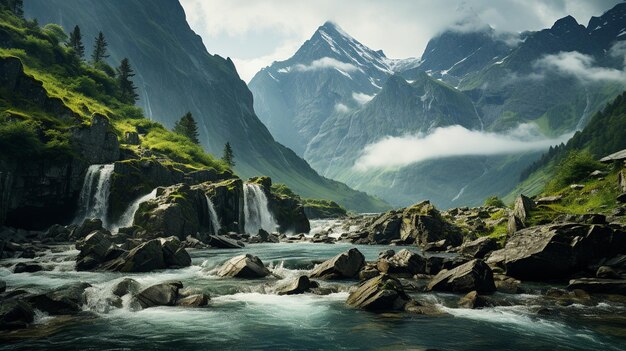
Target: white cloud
x=579 y=65
x=341 y=108
x=618 y=50
x=452 y=141
x=326 y=63
x=362 y=98
x=250 y=32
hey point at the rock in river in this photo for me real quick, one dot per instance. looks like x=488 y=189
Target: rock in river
x=473 y=275
x=244 y=266
x=345 y=265
x=381 y=293
x=163 y=294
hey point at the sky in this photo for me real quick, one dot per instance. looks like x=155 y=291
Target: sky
x=254 y=33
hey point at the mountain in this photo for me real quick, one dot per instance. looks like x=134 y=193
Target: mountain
x=471 y=76
x=176 y=74
x=331 y=73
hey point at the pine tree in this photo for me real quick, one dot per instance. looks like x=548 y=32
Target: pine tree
x=187 y=126
x=76 y=42
x=99 y=49
x=127 y=87
x=228 y=157
x=15 y=6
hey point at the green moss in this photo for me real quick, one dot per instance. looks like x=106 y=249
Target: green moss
x=494 y=201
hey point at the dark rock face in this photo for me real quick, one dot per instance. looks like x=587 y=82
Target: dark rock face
x=175 y=211
x=227 y=198
x=88 y=226
x=521 y=212
x=244 y=266
x=557 y=250
x=382 y=293
x=479 y=248
x=126 y=286
x=97 y=252
x=98 y=142
x=15 y=314
x=27 y=268
x=473 y=275
x=164 y=294
x=343 y=266
x=223 y=242
x=299 y=285
x=599 y=286
x=64 y=300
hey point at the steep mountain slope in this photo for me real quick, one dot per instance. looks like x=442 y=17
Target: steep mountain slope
x=400 y=106
x=330 y=74
x=494 y=82
x=175 y=74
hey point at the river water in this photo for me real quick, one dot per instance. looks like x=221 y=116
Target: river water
x=247 y=314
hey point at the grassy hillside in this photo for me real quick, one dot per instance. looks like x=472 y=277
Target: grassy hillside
x=605 y=134
x=29 y=131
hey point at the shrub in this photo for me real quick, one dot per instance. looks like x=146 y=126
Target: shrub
x=575 y=167
x=494 y=201
x=19 y=140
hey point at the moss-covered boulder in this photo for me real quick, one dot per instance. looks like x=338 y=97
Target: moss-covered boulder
x=321 y=209
x=175 y=211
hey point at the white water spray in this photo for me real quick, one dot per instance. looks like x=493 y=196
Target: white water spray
x=94 y=196
x=256 y=210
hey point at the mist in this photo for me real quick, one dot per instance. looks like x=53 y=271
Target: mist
x=452 y=141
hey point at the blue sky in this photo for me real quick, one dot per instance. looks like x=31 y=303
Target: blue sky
x=256 y=33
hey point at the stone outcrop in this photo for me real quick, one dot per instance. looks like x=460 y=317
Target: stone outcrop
x=557 y=250
x=98 y=252
x=379 y=294
x=227 y=198
x=299 y=285
x=599 y=286
x=479 y=248
x=343 y=266
x=163 y=294
x=403 y=262
x=521 y=212
x=471 y=276
x=421 y=224
x=244 y=266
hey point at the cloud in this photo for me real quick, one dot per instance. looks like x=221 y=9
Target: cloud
x=326 y=63
x=362 y=98
x=618 y=50
x=579 y=65
x=452 y=141
x=341 y=108
x=250 y=32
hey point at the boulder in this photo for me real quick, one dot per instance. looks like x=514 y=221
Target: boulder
x=386 y=228
x=403 y=262
x=381 y=293
x=163 y=294
x=88 y=226
x=557 y=250
x=299 y=285
x=144 y=258
x=125 y=286
x=386 y=254
x=93 y=249
x=599 y=286
x=15 y=314
x=223 y=242
x=423 y=224
x=196 y=300
x=521 y=212
x=174 y=254
x=27 y=268
x=244 y=266
x=474 y=275
x=65 y=300
x=479 y=248
x=345 y=265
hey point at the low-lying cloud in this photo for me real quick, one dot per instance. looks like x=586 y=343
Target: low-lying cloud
x=574 y=63
x=452 y=141
x=362 y=98
x=326 y=63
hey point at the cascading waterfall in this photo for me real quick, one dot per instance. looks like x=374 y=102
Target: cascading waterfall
x=256 y=210
x=215 y=221
x=128 y=217
x=94 y=196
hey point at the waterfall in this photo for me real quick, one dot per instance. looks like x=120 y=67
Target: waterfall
x=215 y=221
x=94 y=196
x=256 y=210
x=128 y=217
